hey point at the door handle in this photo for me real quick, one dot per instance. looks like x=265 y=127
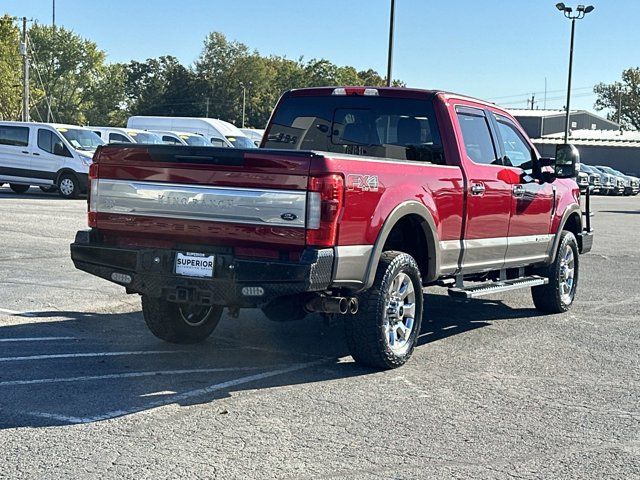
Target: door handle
x=477 y=189
x=24 y=151
x=36 y=154
x=518 y=191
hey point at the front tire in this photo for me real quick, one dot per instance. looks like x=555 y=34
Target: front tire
x=558 y=295
x=384 y=331
x=68 y=186
x=19 y=188
x=180 y=322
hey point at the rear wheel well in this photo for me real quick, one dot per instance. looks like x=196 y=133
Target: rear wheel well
x=408 y=235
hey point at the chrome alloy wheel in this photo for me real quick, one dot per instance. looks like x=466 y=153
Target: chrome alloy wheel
x=400 y=313
x=66 y=187
x=194 y=315
x=567 y=274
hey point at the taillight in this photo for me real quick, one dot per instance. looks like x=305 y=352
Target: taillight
x=92 y=198
x=324 y=205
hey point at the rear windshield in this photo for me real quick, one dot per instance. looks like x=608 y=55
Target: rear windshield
x=404 y=129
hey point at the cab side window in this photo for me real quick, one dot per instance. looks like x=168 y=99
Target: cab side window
x=14 y=136
x=117 y=138
x=47 y=141
x=168 y=139
x=477 y=137
x=518 y=153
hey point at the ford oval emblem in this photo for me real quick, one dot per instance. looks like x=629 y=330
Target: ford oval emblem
x=289 y=217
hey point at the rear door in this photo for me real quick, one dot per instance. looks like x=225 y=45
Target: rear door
x=532 y=201
x=15 y=153
x=488 y=205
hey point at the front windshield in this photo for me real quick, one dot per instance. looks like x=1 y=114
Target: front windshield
x=81 y=139
x=196 y=141
x=146 y=137
x=241 y=142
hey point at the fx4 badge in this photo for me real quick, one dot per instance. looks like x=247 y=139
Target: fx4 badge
x=364 y=183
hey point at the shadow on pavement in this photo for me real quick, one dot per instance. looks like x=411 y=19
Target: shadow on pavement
x=84 y=376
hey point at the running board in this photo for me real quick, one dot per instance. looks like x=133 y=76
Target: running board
x=497 y=287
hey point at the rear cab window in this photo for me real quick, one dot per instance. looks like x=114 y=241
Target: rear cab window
x=385 y=127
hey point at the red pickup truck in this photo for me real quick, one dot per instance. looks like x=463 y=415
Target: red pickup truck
x=356 y=200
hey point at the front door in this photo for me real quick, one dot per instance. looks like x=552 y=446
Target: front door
x=45 y=160
x=532 y=201
x=488 y=205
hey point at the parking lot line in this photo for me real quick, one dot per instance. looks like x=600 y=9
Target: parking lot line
x=90 y=354
x=34 y=339
x=86 y=378
x=181 y=397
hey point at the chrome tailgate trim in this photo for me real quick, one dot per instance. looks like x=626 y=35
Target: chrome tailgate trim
x=282 y=208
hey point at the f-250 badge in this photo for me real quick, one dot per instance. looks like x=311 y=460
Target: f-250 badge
x=364 y=183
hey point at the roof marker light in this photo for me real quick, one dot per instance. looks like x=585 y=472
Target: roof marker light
x=371 y=92
x=339 y=91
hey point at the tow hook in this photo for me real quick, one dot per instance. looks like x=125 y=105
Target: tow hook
x=341 y=305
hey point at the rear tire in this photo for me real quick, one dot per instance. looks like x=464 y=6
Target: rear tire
x=558 y=295
x=385 y=330
x=68 y=185
x=19 y=188
x=180 y=322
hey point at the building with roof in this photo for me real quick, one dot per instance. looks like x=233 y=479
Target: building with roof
x=599 y=141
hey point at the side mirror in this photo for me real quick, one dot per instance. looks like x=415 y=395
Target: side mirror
x=567 y=161
x=58 y=149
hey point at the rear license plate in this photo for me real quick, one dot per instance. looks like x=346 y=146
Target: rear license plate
x=194 y=264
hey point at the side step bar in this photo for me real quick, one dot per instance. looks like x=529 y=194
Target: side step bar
x=497 y=287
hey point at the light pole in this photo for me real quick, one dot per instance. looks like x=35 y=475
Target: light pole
x=580 y=12
x=622 y=91
x=244 y=99
x=390 y=52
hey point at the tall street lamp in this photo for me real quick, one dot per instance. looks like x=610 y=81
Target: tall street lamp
x=579 y=13
x=244 y=99
x=390 y=51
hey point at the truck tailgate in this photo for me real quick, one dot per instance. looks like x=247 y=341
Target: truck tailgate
x=178 y=195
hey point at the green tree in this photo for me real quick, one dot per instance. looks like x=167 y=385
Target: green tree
x=71 y=71
x=10 y=70
x=625 y=93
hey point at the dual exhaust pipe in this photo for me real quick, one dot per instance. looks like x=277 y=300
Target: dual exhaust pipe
x=340 y=305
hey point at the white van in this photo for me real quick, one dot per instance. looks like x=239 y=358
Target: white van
x=182 y=138
x=254 y=134
x=125 y=135
x=218 y=132
x=48 y=155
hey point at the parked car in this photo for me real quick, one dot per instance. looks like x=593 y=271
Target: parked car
x=624 y=186
x=595 y=177
x=254 y=134
x=631 y=185
x=48 y=155
x=610 y=183
x=359 y=198
x=125 y=135
x=582 y=179
x=183 y=138
x=218 y=132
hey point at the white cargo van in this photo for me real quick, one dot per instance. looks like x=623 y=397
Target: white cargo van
x=125 y=135
x=183 y=138
x=218 y=132
x=50 y=156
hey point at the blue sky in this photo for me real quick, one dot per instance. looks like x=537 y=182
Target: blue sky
x=500 y=50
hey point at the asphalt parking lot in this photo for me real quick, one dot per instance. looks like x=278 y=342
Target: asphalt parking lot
x=494 y=390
